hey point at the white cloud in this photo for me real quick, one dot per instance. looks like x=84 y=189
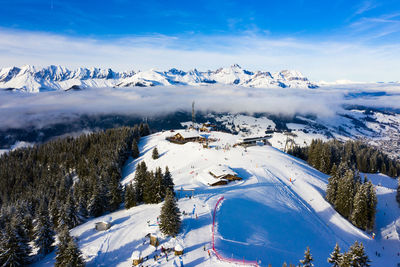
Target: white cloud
x=319 y=59
x=21 y=110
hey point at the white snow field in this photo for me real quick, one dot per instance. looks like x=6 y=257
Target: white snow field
x=271 y=216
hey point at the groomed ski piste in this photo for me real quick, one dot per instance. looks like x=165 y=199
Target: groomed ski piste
x=269 y=217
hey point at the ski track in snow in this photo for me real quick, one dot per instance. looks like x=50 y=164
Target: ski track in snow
x=264 y=217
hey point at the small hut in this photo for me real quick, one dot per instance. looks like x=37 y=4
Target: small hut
x=103 y=225
x=136 y=259
x=178 y=250
x=186 y=136
x=154 y=240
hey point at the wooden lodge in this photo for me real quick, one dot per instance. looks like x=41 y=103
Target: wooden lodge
x=219 y=175
x=207 y=127
x=223 y=172
x=136 y=259
x=185 y=137
x=178 y=250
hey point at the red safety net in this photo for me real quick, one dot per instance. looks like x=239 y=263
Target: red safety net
x=219 y=256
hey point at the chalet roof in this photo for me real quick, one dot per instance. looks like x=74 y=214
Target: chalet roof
x=190 y=134
x=221 y=170
x=135 y=255
x=178 y=247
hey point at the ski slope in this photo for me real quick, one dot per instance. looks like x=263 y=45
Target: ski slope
x=271 y=216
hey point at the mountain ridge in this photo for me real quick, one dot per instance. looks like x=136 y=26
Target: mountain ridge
x=37 y=79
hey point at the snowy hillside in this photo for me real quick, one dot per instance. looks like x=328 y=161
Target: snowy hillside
x=34 y=79
x=378 y=128
x=271 y=216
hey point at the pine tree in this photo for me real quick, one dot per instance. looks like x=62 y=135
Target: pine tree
x=44 y=234
x=159 y=185
x=22 y=235
x=68 y=253
x=96 y=205
x=140 y=179
x=345 y=261
x=167 y=180
x=135 y=149
x=359 y=216
x=150 y=190
x=170 y=220
x=308 y=259
x=345 y=194
x=358 y=256
x=155 y=155
x=335 y=256
x=372 y=201
x=28 y=226
x=115 y=196
x=130 y=196
x=12 y=254
x=331 y=189
x=63 y=240
x=54 y=212
x=68 y=214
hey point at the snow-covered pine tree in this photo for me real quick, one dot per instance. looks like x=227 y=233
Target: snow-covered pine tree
x=357 y=255
x=54 y=212
x=22 y=234
x=345 y=261
x=167 y=180
x=372 y=201
x=63 y=239
x=170 y=217
x=68 y=213
x=159 y=184
x=68 y=253
x=44 y=234
x=140 y=179
x=308 y=259
x=150 y=190
x=27 y=222
x=345 y=194
x=359 y=216
x=11 y=252
x=95 y=207
x=130 y=196
x=335 y=257
x=115 y=196
x=331 y=189
x=135 y=149
x=154 y=154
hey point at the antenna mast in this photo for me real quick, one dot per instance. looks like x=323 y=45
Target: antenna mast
x=193 y=115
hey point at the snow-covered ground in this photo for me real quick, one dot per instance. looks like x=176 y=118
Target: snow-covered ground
x=271 y=216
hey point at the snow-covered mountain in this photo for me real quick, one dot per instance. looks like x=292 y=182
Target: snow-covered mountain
x=35 y=79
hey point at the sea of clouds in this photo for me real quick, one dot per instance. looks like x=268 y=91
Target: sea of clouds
x=22 y=110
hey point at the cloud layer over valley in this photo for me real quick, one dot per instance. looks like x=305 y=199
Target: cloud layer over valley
x=22 y=110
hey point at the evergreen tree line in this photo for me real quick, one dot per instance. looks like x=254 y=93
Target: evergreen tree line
x=55 y=186
x=353 y=198
x=148 y=187
x=354 y=257
x=323 y=155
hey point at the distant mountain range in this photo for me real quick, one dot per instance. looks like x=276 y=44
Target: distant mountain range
x=34 y=79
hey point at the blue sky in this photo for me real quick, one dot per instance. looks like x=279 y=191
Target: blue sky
x=357 y=40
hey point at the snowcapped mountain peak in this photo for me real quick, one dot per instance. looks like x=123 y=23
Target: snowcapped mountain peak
x=35 y=79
